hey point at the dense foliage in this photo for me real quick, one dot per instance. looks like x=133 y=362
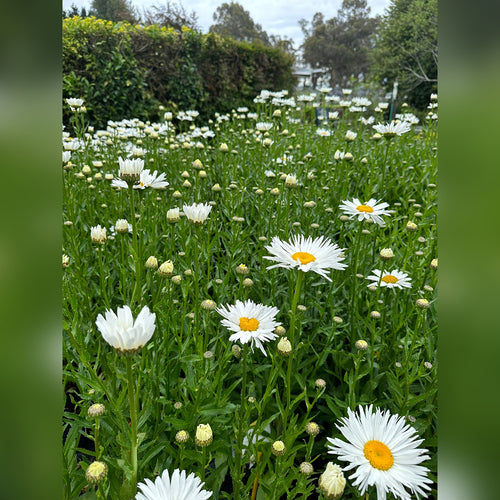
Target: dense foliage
x=340 y=44
x=266 y=173
x=127 y=70
x=406 y=48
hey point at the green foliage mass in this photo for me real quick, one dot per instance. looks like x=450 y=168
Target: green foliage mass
x=127 y=70
x=340 y=44
x=406 y=48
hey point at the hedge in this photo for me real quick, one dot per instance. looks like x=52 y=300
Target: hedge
x=124 y=71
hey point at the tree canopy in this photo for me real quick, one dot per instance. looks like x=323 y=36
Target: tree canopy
x=406 y=48
x=171 y=15
x=232 y=20
x=340 y=44
x=114 y=10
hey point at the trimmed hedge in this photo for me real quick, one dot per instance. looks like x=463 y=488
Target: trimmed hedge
x=125 y=71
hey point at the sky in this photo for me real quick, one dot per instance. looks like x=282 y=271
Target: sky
x=277 y=17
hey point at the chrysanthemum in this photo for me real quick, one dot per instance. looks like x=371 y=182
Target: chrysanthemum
x=323 y=132
x=130 y=170
x=98 y=234
x=153 y=180
x=263 y=126
x=74 y=103
x=384 y=450
x=122 y=332
x=390 y=279
x=177 y=487
x=306 y=254
x=197 y=213
x=254 y=323
x=392 y=129
x=371 y=209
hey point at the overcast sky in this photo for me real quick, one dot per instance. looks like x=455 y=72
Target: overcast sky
x=277 y=17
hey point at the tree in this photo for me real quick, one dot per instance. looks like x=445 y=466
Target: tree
x=171 y=15
x=232 y=20
x=284 y=43
x=406 y=49
x=73 y=11
x=114 y=10
x=341 y=44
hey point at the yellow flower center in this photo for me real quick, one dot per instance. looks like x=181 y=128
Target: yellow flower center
x=249 y=324
x=379 y=455
x=389 y=278
x=304 y=257
x=364 y=208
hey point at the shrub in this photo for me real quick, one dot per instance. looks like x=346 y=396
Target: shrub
x=122 y=70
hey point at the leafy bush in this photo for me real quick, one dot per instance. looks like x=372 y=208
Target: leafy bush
x=128 y=70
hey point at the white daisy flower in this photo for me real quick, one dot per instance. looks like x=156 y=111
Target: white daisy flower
x=254 y=323
x=130 y=170
x=197 y=213
x=153 y=180
x=392 y=279
x=371 y=209
x=177 y=487
x=263 y=126
x=384 y=450
x=74 y=103
x=122 y=332
x=307 y=254
x=323 y=132
x=98 y=234
x=392 y=129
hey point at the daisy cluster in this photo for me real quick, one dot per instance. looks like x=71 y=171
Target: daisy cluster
x=252 y=293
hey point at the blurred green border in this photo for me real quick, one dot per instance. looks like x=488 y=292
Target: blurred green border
x=30 y=246
x=469 y=250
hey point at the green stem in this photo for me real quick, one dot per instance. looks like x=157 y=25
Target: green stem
x=101 y=277
x=133 y=422
x=96 y=439
x=239 y=449
x=137 y=287
x=291 y=338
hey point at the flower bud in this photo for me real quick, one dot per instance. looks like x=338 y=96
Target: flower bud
x=284 y=347
x=278 y=448
x=96 y=472
x=96 y=410
x=242 y=269
x=151 y=263
x=208 y=304
x=306 y=468
x=173 y=215
x=204 y=435
x=332 y=482
x=386 y=254
x=166 y=269
x=422 y=303
x=362 y=345
x=320 y=383
x=182 y=436
x=312 y=428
